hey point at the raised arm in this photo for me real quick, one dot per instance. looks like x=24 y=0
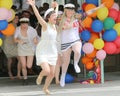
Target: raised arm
x=40 y=19
x=89 y=12
x=55 y=6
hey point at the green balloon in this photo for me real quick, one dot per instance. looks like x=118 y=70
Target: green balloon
x=90 y=74
x=108 y=23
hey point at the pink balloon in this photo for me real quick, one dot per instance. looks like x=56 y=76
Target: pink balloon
x=117 y=41
x=9 y=15
x=101 y=54
x=115 y=6
x=88 y=48
x=3 y=13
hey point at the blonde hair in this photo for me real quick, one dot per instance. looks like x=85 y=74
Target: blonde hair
x=63 y=19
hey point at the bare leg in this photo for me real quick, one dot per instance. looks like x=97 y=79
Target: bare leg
x=9 y=68
x=19 y=67
x=49 y=79
x=57 y=69
x=19 y=70
x=45 y=71
x=29 y=64
x=24 y=69
x=77 y=54
x=66 y=61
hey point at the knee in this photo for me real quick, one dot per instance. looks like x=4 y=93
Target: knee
x=47 y=71
x=29 y=66
x=78 y=53
x=52 y=74
x=23 y=66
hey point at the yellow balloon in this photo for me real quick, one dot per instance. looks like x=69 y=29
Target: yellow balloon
x=1 y=42
x=91 y=82
x=117 y=28
x=98 y=43
x=6 y=3
x=102 y=13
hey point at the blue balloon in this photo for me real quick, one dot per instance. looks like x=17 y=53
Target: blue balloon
x=1 y=35
x=69 y=78
x=80 y=11
x=109 y=35
x=97 y=26
x=95 y=2
x=3 y=24
x=94 y=76
x=85 y=35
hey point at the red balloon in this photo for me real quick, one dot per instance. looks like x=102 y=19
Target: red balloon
x=98 y=69
x=117 y=51
x=113 y=13
x=110 y=47
x=118 y=19
x=117 y=41
x=84 y=5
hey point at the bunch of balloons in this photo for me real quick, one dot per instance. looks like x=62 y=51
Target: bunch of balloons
x=6 y=16
x=94 y=76
x=102 y=31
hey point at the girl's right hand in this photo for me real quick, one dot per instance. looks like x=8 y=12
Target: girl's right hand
x=21 y=42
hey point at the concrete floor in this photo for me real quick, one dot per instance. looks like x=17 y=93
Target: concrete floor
x=111 y=87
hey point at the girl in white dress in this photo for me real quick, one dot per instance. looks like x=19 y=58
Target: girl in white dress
x=70 y=39
x=46 y=51
x=26 y=37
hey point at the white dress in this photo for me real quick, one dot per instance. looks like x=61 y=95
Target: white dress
x=70 y=37
x=28 y=48
x=46 y=50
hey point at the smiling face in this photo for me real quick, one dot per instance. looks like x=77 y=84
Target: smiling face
x=52 y=19
x=16 y=19
x=24 y=25
x=69 y=12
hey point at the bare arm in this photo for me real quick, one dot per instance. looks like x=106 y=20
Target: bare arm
x=16 y=40
x=35 y=40
x=55 y=5
x=89 y=12
x=40 y=19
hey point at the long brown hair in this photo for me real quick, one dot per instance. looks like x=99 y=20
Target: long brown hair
x=64 y=18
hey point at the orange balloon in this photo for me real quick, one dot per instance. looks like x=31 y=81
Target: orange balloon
x=86 y=59
x=108 y=3
x=94 y=36
x=9 y=30
x=92 y=55
x=89 y=65
x=89 y=7
x=87 y=22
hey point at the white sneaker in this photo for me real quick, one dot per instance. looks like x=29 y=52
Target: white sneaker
x=77 y=68
x=62 y=81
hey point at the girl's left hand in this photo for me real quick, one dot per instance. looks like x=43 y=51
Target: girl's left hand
x=54 y=4
x=31 y=2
